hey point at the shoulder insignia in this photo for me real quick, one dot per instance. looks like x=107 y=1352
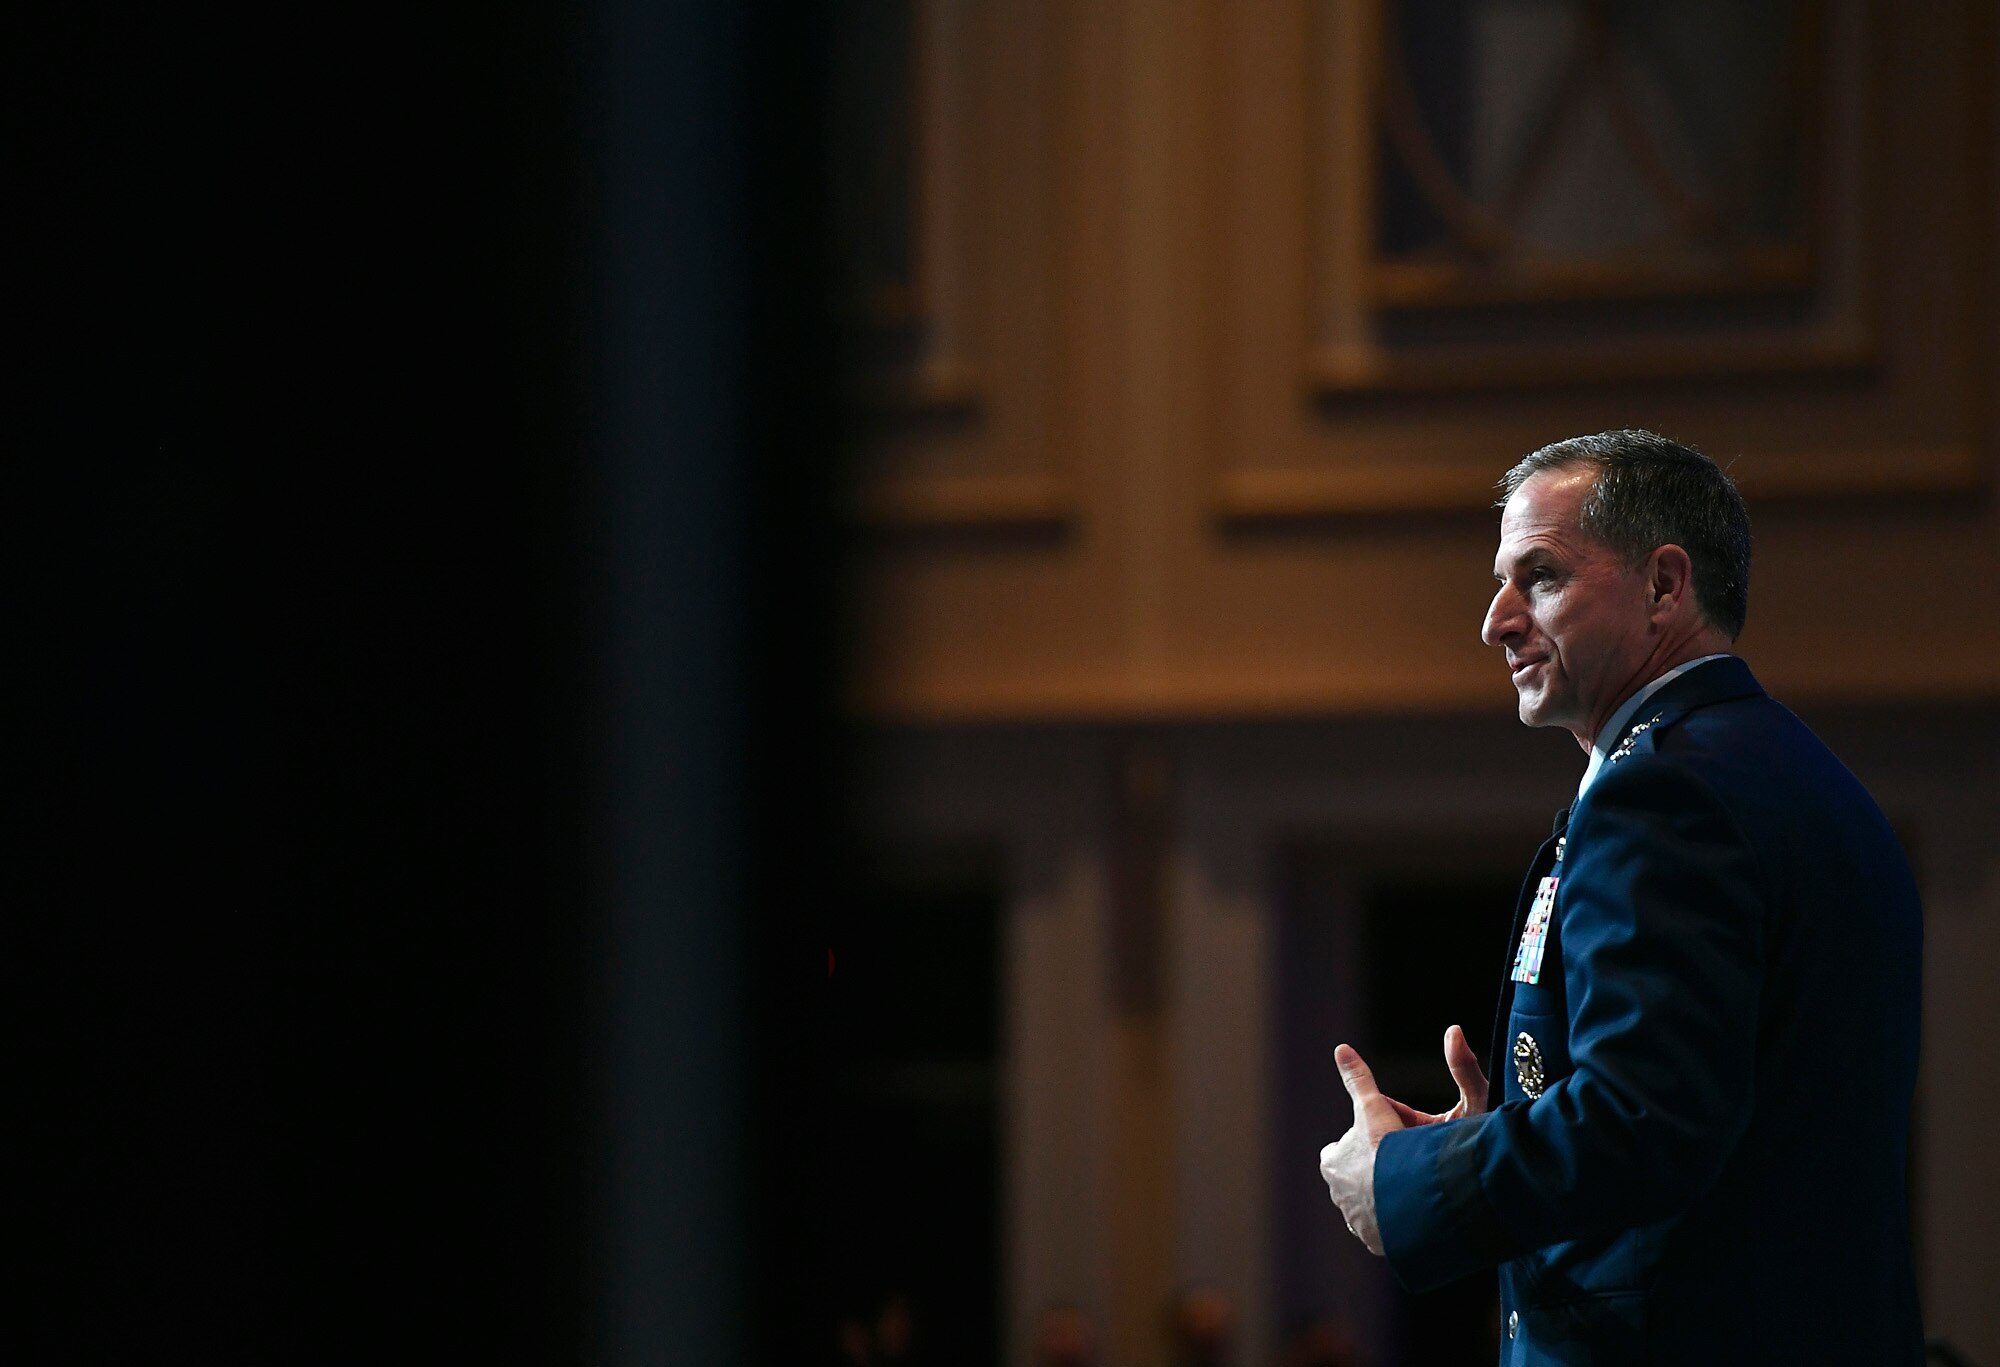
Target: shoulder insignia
x=1625 y=746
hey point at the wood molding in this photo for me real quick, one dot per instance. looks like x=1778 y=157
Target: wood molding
x=1376 y=325
x=951 y=377
x=1357 y=370
x=1445 y=283
x=1249 y=497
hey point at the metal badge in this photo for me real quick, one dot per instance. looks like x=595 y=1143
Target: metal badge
x=1528 y=1065
x=1625 y=746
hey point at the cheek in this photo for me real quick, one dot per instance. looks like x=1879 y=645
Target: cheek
x=1589 y=643
x=1553 y=624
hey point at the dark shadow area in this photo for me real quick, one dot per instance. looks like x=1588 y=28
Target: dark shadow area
x=420 y=699
x=1382 y=943
x=912 y=1116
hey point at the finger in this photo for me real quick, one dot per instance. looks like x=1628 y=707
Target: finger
x=1356 y=1075
x=1465 y=1069
x=1410 y=1115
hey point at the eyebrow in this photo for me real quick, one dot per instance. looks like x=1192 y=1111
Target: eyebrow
x=1531 y=558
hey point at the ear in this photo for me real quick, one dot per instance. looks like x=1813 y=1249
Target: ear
x=1669 y=582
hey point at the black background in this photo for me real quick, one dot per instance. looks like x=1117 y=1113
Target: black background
x=317 y=548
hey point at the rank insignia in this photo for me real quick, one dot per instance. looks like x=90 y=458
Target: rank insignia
x=1528 y=1065
x=1535 y=935
x=1625 y=746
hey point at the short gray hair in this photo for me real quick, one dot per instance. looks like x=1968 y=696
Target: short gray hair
x=1649 y=492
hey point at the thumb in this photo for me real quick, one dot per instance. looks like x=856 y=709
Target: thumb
x=1356 y=1076
x=1373 y=1114
x=1465 y=1071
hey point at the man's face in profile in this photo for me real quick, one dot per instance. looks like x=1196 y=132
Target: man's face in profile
x=1570 y=614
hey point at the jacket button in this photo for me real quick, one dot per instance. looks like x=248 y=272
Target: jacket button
x=1513 y=1323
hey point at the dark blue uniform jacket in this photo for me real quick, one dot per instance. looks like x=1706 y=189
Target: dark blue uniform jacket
x=1726 y=1025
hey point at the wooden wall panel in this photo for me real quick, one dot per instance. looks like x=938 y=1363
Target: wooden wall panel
x=1878 y=391
x=1232 y=541
x=954 y=394
x=990 y=535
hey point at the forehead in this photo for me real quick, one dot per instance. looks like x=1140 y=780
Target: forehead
x=1542 y=514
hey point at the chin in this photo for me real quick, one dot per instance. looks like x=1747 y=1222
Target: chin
x=1529 y=706
x=1536 y=710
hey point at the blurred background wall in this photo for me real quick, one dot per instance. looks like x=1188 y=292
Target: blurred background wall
x=1186 y=343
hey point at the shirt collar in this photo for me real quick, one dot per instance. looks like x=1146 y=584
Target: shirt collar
x=1615 y=727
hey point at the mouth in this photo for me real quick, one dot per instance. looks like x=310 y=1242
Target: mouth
x=1519 y=668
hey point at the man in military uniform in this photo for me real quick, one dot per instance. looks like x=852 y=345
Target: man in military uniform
x=1707 y=1034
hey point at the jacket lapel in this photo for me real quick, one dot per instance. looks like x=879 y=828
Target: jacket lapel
x=1545 y=859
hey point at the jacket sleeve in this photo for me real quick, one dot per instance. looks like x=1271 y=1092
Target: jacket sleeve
x=1662 y=904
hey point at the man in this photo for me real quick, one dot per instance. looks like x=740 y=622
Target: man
x=1707 y=1033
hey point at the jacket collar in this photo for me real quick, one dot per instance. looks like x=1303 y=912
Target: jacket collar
x=1724 y=680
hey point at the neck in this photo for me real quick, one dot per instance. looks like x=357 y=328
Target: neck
x=1666 y=654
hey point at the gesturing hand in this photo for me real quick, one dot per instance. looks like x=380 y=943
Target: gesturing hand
x=1464 y=1067
x=1348 y=1164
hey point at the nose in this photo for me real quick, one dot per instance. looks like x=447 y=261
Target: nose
x=1505 y=618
